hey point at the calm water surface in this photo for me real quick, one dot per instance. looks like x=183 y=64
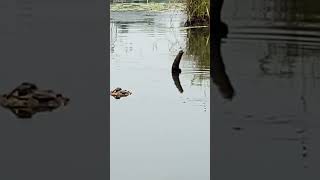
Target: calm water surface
x=270 y=129
x=56 y=51
x=158 y=132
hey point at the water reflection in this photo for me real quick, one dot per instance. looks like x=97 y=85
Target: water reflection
x=152 y=129
x=194 y=41
x=218 y=72
x=176 y=80
x=218 y=69
x=26 y=100
x=58 y=45
x=198 y=49
x=175 y=71
x=285 y=60
x=288 y=19
x=24 y=15
x=272 y=58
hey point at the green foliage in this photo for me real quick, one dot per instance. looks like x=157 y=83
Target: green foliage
x=198 y=47
x=198 y=12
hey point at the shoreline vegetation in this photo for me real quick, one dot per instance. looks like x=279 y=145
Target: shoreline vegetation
x=197 y=40
x=153 y=7
x=197 y=10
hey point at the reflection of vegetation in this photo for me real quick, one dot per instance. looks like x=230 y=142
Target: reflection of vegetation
x=282 y=60
x=285 y=65
x=198 y=48
x=292 y=12
x=157 y=7
x=198 y=12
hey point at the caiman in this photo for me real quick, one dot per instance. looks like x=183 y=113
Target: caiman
x=26 y=100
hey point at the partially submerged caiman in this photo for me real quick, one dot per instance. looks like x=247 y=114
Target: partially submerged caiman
x=26 y=100
x=119 y=93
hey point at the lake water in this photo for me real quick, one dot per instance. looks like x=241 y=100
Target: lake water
x=270 y=129
x=159 y=132
x=55 y=45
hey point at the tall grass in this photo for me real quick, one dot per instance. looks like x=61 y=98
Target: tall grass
x=198 y=12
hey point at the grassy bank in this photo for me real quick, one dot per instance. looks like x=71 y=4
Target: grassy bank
x=198 y=12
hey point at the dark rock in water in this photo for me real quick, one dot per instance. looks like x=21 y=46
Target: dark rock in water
x=26 y=100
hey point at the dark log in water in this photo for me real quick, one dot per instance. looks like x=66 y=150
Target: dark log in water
x=217 y=68
x=175 y=71
x=218 y=71
x=176 y=80
x=175 y=66
x=219 y=28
